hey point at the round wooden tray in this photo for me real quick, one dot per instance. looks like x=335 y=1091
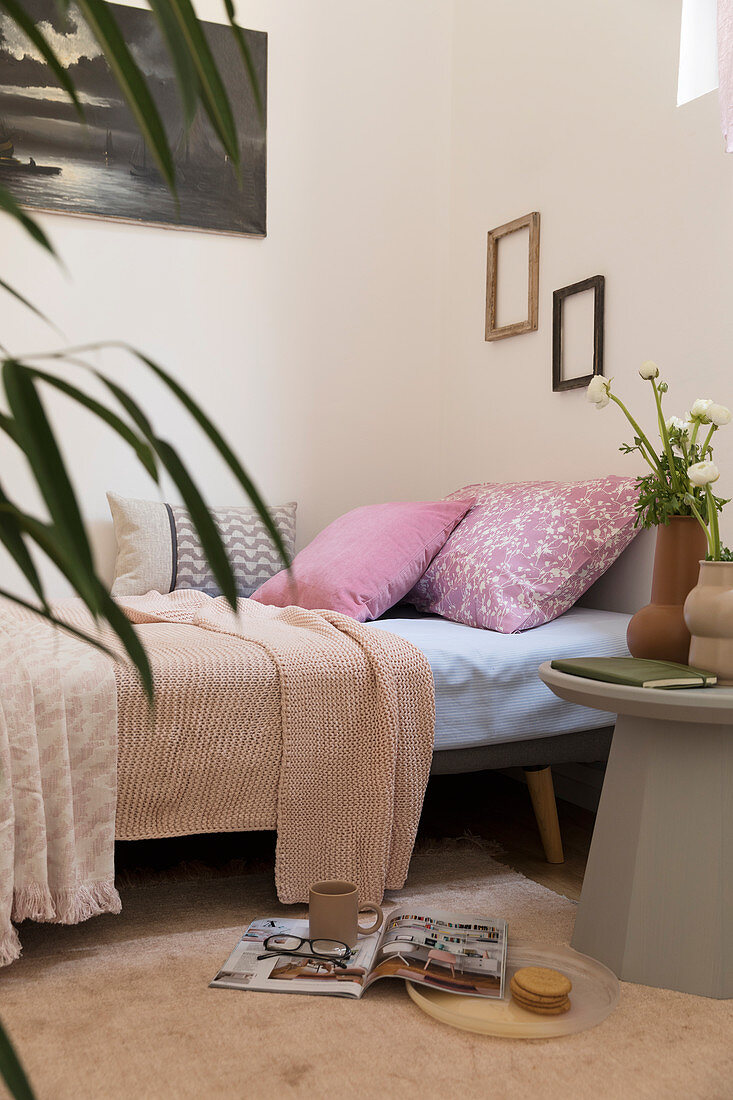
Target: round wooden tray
x=594 y=995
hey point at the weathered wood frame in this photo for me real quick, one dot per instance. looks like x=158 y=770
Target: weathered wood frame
x=532 y=223
x=597 y=283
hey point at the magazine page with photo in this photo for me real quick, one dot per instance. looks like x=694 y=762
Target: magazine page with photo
x=455 y=952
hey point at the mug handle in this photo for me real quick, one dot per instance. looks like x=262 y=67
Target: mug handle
x=366 y=907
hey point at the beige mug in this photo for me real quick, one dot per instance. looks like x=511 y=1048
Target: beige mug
x=333 y=912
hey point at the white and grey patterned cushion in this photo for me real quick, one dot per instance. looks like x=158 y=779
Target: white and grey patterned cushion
x=158 y=549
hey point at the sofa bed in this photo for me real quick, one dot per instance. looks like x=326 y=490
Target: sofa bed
x=319 y=712
x=419 y=572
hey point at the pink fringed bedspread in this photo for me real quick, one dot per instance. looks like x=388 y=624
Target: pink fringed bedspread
x=58 y=777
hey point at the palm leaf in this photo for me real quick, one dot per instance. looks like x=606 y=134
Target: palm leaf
x=142 y=450
x=12 y=1071
x=86 y=584
x=211 y=86
x=246 y=55
x=140 y=419
x=103 y=25
x=43 y=454
x=12 y=540
x=89 y=639
x=206 y=529
x=10 y=206
x=30 y=28
x=221 y=446
x=24 y=301
x=188 y=84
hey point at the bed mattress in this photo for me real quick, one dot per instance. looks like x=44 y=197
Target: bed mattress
x=487 y=690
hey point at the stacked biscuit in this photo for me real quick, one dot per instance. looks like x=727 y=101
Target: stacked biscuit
x=539 y=989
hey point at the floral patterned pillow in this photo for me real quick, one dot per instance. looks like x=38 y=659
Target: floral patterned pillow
x=527 y=551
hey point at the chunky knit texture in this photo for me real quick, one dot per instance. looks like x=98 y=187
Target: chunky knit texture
x=275 y=718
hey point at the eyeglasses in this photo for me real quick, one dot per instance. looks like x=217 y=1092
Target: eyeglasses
x=333 y=951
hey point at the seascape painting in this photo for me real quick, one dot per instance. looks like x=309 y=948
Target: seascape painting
x=51 y=161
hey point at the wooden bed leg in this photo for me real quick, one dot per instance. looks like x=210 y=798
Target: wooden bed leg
x=542 y=793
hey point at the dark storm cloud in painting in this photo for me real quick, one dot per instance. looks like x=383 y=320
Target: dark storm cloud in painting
x=49 y=160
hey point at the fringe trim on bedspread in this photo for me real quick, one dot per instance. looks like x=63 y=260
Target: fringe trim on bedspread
x=36 y=902
x=70 y=906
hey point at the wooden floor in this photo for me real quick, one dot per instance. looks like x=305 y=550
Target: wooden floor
x=486 y=807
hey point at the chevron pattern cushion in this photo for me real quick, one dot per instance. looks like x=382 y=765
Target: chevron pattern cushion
x=158 y=549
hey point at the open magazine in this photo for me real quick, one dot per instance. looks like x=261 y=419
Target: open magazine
x=450 y=951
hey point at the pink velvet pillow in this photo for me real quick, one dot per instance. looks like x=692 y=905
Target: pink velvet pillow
x=527 y=551
x=365 y=561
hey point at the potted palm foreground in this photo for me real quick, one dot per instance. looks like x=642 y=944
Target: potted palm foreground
x=675 y=497
x=61 y=535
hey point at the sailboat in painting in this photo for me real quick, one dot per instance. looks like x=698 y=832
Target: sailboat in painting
x=109 y=153
x=10 y=163
x=139 y=164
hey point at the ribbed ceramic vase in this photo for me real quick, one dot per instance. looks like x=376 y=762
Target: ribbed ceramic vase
x=709 y=618
x=659 y=631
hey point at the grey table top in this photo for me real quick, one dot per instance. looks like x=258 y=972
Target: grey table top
x=712 y=704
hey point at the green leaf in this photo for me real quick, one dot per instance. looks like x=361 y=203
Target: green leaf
x=222 y=447
x=187 y=78
x=143 y=451
x=246 y=55
x=213 y=94
x=75 y=633
x=206 y=529
x=12 y=540
x=30 y=28
x=11 y=207
x=12 y=1071
x=98 y=14
x=87 y=584
x=24 y=301
x=39 y=445
x=127 y=634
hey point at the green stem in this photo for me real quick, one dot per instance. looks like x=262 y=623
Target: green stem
x=713 y=516
x=706 y=444
x=651 y=458
x=695 y=430
x=701 y=521
x=665 y=437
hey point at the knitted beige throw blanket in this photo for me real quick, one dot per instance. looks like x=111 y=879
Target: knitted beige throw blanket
x=306 y=722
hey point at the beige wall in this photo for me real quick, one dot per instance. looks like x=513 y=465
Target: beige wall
x=569 y=108
x=344 y=355
x=317 y=349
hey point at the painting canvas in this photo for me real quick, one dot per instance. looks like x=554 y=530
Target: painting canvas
x=51 y=161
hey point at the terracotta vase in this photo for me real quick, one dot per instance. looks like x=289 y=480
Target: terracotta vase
x=709 y=618
x=658 y=630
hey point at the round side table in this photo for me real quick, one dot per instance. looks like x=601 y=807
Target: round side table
x=657 y=899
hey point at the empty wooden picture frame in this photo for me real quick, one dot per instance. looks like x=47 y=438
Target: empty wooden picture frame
x=530 y=222
x=598 y=285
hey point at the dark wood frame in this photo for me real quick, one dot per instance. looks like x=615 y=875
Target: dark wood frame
x=532 y=223
x=597 y=283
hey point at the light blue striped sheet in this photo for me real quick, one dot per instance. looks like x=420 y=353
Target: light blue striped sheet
x=486 y=685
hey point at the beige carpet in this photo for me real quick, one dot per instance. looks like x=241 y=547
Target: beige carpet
x=120 y=1007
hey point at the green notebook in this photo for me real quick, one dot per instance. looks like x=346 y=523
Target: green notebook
x=636 y=672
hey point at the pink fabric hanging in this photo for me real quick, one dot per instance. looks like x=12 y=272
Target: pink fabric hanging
x=725 y=69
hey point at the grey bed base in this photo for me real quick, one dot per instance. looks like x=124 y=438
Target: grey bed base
x=562 y=748
x=536 y=756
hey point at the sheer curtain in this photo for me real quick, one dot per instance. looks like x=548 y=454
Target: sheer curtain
x=725 y=69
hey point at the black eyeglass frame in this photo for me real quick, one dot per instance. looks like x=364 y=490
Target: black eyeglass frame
x=272 y=952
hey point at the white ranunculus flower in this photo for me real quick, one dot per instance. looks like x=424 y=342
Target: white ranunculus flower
x=699 y=410
x=703 y=473
x=597 y=391
x=719 y=415
x=675 y=422
x=649 y=370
